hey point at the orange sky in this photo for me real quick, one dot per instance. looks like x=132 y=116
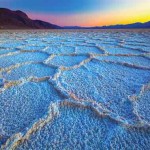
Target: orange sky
x=83 y=12
x=140 y=12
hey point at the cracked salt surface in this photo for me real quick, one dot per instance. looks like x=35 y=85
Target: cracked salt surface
x=64 y=89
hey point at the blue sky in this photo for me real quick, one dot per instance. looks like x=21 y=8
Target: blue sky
x=56 y=6
x=83 y=12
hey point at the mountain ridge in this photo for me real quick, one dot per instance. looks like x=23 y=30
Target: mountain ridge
x=10 y=19
x=137 y=25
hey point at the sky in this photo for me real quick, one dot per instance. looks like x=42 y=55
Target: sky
x=83 y=12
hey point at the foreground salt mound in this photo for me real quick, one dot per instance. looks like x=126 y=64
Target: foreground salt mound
x=119 y=50
x=2 y=52
x=59 y=49
x=88 y=49
x=10 y=44
x=67 y=61
x=29 y=69
x=22 y=57
x=133 y=60
x=141 y=104
x=102 y=83
x=80 y=128
x=21 y=106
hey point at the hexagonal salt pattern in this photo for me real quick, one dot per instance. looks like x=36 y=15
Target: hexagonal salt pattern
x=74 y=89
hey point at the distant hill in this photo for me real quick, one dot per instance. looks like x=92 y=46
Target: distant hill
x=19 y=20
x=127 y=26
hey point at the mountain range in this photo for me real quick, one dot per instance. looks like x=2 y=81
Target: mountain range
x=137 y=25
x=19 y=20
x=10 y=19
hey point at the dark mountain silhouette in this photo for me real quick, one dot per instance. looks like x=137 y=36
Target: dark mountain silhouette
x=127 y=26
x=19 y=20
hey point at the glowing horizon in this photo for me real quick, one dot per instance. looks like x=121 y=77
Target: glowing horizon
x=88 y=13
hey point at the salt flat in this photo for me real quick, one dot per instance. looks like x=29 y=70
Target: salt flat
x=74 y=89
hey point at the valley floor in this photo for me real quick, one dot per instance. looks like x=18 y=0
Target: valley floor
x=75 y=89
